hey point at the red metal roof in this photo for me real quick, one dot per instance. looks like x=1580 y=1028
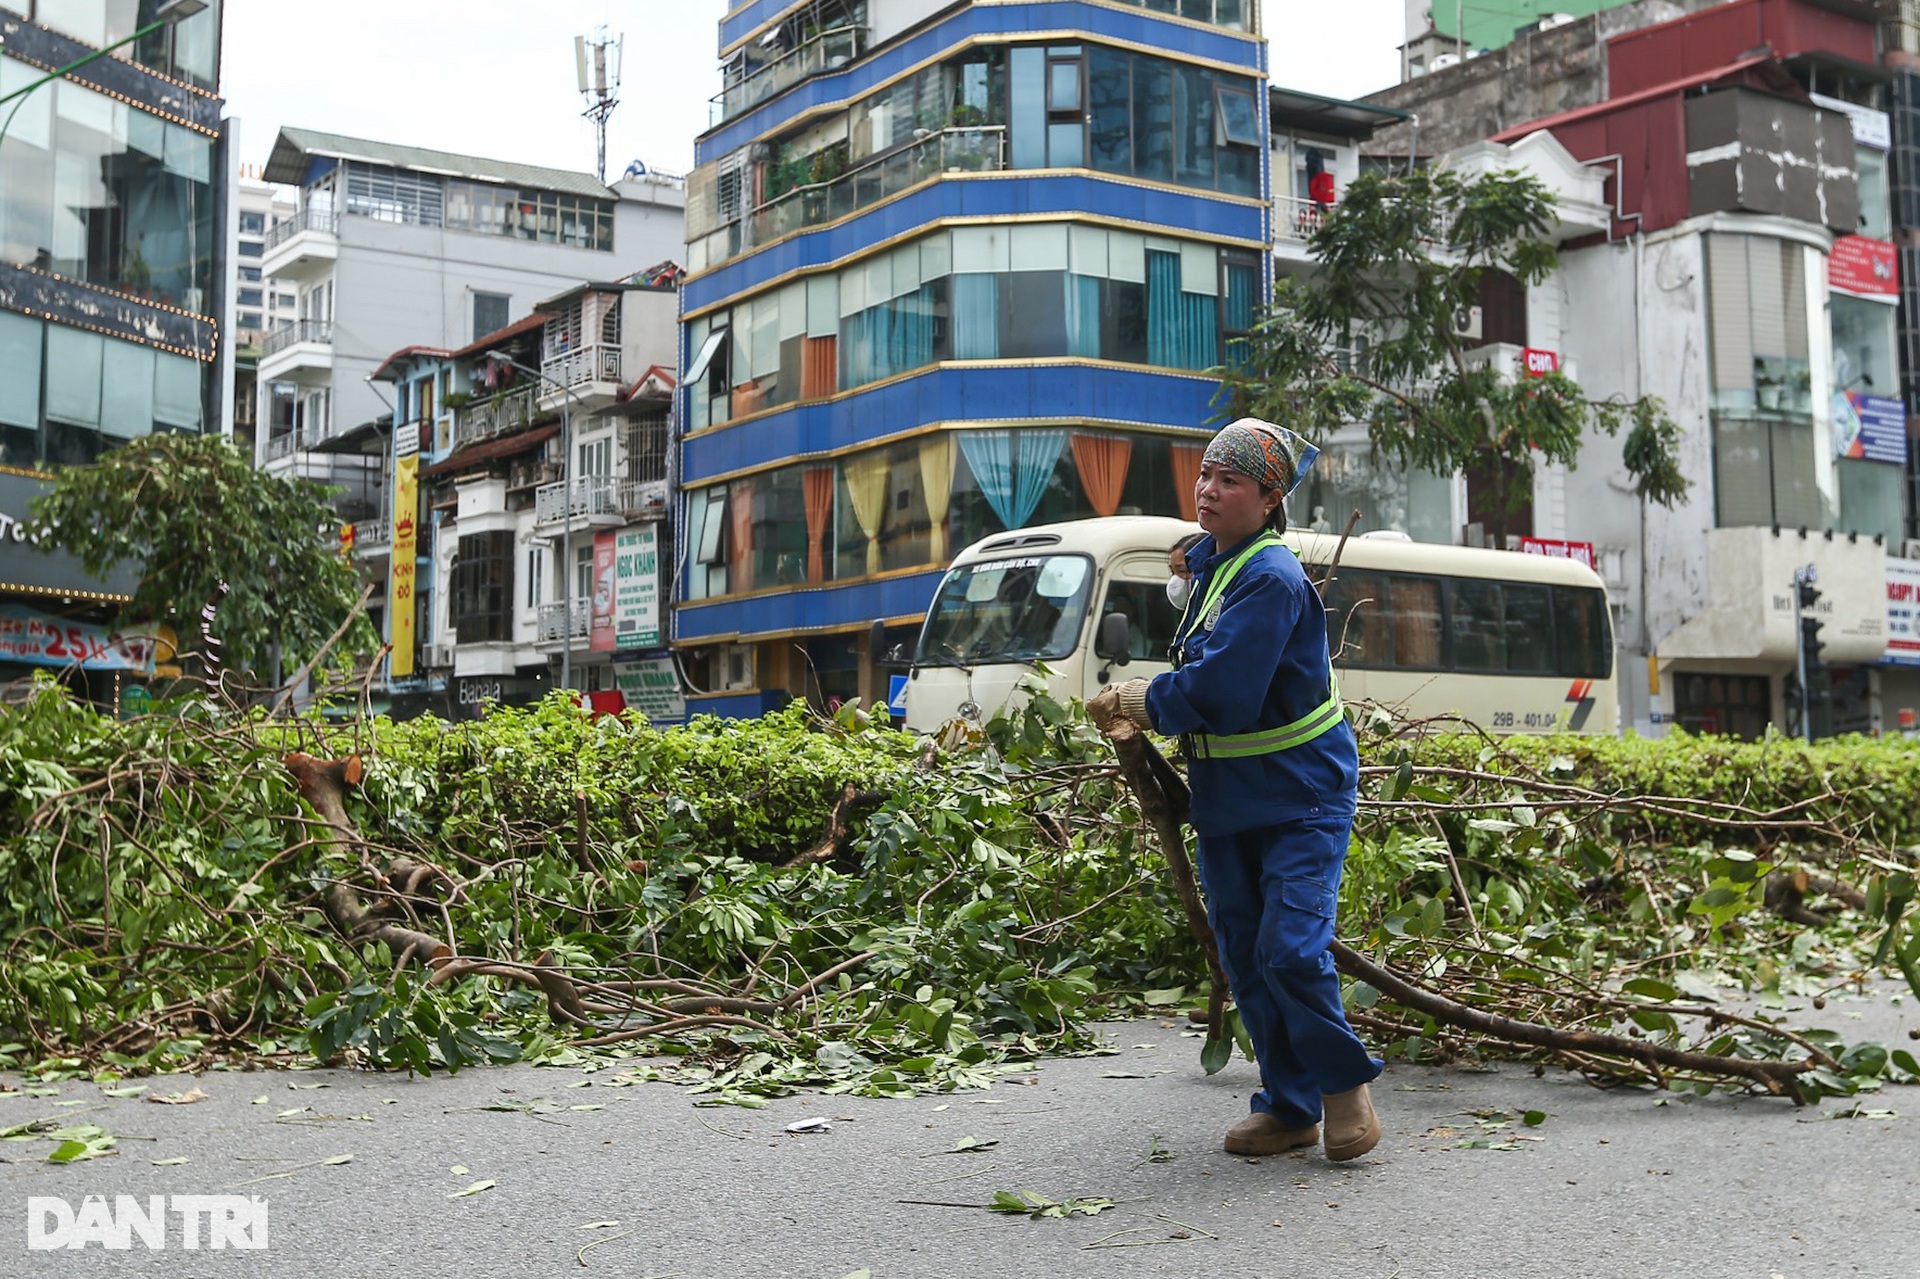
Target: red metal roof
x=1690 y=44
x=403 y=354
x=490 y=450
x=495 y=338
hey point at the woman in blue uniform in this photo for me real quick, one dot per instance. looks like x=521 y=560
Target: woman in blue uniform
x=1274 y=781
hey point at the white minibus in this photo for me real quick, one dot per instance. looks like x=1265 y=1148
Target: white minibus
x=1512 y=643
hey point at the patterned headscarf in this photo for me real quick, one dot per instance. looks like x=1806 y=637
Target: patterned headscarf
x=1273 y=455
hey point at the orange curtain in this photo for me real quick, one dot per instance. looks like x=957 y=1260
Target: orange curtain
x=1102 y=463
x=740 y=509
x=819 y=367
x=1186 y=474
x=817 y=483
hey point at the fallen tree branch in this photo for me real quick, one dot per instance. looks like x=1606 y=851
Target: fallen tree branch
x=1164 y=801
x=839 y=834
x=1771 y=1075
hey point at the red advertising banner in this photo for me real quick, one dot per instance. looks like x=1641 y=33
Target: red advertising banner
x=1538 y=362
x=1558 y=548
x=1864 y=267
x=601 y=640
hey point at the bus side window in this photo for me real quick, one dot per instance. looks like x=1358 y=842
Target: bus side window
x=1581 y=616
x=1529 y=629
x=1151 y=620
x=1359 y=619
x=1416 y=631
x=1479 y=637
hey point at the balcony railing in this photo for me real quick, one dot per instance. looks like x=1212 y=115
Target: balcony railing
x=279 y=446
x=1296 y=219
x=958 y=150
x=325 y=221
x=825 y=52
x=371 y=533
x=640 y=498
x=526 y=475
x=555 y=622
x=591 y=495
x=297 y=332
x=587 y=364
x=502 y=414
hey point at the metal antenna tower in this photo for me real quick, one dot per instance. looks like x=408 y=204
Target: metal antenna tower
x=599 y=84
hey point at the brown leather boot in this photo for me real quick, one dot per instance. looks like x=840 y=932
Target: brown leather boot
x=1262 y=1134
x=1352 y=1127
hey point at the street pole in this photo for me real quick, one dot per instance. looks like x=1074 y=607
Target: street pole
x=169 y=16
x=1800 y=657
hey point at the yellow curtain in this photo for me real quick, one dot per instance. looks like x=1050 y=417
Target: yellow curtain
x=867 y=487
x=936 y=476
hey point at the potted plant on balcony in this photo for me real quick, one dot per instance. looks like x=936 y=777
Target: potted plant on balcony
x=454 y=401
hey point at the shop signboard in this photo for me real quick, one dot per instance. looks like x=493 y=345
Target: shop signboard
x=604 y=578
x=636 y=588
x=35 y=639
x=1871 y=427
x=653 y=689
x=1903 y=613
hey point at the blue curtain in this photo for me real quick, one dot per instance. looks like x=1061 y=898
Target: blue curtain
x=1035 y=454
x=1243 y=281
x=910 y=344
x=858 y=353
x=1012 y=468
x=1180 y=326
x=990 y=455
x=1083 y=316
x=976 y=317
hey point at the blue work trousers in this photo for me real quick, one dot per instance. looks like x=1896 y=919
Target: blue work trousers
x=1271 y=894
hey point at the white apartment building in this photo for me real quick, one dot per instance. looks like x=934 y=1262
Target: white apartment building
x=394 y=246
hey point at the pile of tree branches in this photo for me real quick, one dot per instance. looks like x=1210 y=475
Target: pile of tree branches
x=803 y=902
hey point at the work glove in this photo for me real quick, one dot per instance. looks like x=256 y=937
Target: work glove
x=1126 y=700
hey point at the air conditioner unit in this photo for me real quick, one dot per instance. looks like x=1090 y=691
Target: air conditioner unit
x=1910 y=548
x=1466 y=322
x=736 y=667
x=437 y=655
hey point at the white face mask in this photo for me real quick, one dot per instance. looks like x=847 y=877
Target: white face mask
x=1179 y=591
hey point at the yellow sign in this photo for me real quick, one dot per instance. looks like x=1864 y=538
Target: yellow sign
x=400 y=601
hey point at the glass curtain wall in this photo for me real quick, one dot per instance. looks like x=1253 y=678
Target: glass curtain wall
x=1027 y=291
x=914 y=504
x=189 y=49
x=100 y=191
x=68 y=395
x=1057 y=106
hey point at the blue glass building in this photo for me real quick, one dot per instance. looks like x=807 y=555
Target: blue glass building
x=953 y=268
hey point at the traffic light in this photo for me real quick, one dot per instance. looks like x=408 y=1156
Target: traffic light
x=1806 y=596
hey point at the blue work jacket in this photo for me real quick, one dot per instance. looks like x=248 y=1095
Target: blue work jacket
x=1270 y=639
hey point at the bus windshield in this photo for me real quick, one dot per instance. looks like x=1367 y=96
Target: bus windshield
x=1022 y=609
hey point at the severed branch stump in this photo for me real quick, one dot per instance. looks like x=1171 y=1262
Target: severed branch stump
x=323 y=783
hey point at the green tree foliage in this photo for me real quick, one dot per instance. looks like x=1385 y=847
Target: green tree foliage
x=163 y=888
x=1371 y=336
x=208 y=531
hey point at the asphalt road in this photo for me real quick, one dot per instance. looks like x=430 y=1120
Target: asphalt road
x=1610 y=1184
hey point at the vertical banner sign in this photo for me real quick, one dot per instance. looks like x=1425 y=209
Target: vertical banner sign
x=406 y=510
x=603 y=578
x=636 y=588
